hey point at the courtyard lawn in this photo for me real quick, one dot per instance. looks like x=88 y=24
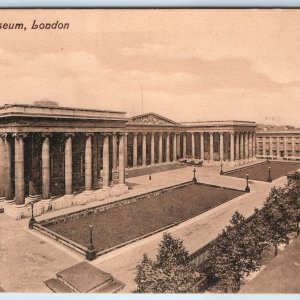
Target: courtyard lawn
x=124 y=223
x=260 y=171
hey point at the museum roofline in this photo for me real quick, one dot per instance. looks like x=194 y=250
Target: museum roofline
x=31 y=110
x=60 y=107
x=225 y=122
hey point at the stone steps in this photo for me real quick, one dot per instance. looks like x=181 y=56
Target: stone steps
x=84 y=278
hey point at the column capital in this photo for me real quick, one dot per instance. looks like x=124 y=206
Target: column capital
x=19 y=135
x=221 y=133
x=87 y=134
x=144 y=133
x=211 y=133
x=47 y=134
x=69 y=134
x=3 y=136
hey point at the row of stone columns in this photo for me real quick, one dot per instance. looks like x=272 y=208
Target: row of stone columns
x=5 y=165
x=242 y=145
x=285 y=142
x=175 y=150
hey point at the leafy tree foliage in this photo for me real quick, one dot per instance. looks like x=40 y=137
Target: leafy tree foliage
x=235 y=254
x=172 y=272
x=275 y=217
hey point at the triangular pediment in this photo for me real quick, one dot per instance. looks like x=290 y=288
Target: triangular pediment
x=152 y=119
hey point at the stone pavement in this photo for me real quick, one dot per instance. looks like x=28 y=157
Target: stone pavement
x=283 y=270
x=28 y=258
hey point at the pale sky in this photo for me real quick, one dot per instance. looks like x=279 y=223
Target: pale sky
x=193 y=64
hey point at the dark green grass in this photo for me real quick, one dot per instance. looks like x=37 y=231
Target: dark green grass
x=260 y=171
x=124 y=223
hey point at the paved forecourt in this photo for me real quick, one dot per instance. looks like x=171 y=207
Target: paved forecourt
x=28 y=258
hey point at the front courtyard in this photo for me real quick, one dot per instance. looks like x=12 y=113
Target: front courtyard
x=47 y=257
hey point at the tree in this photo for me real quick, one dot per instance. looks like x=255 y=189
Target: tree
x=275 y=216
x=172 y=272
x=235 y=254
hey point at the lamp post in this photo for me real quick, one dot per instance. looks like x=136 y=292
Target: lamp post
x=32 y=219
x=194 y=178
x=221 y=172
x=247 y=189
x=269 y=178
x=91 y=252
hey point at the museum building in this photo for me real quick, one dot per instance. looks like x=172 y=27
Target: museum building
x=52 y=153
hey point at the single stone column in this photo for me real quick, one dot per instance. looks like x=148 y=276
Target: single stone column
x=221 y=150
x=135 y=154
x=125 y=149
x=88 y=162
x=122 y=159
x=184 y=145
x=202 y=145
x=152 y=148
x=278 y=147
x=19 y=169
x=106 y=162
x=285 y=147
x=250 y=145
x=115 y=151
x=231 y=146
x=254 y=144
x=144 y=154
x=2 y=168
x=68 y=165
x=168 y=147
x=160 y=158
x=8 y=167
x=242 y=146
x=246 y=145
x=293 y=146
x=211 y=146
x=271 y=146
x=237 y=146
x=46 y=166
x=174 y=146
x=264 y=146
x=178 y=138
x=193 y=144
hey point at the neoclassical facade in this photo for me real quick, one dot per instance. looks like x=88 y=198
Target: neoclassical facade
x=66 y=156
x=278 y=144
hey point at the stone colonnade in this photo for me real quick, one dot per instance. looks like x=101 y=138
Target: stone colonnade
x=12 y=146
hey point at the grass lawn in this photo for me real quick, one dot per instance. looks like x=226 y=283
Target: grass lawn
x=121 y=224
x=260 y=171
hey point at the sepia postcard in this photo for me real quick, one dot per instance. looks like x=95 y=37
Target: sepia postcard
x=150 y=151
